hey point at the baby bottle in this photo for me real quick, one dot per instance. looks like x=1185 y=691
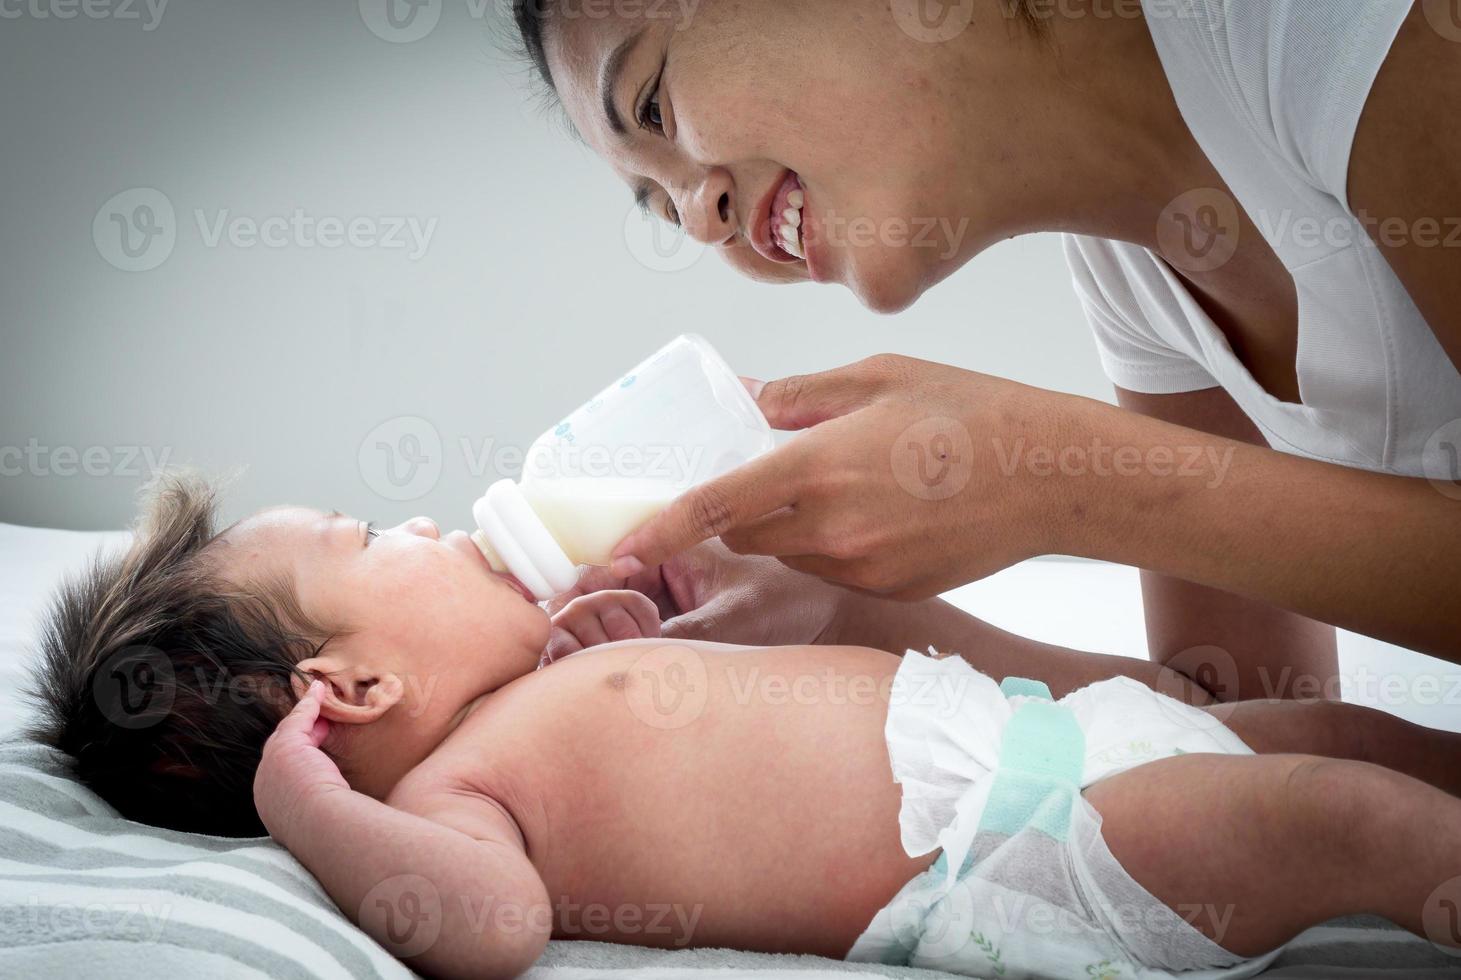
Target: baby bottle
x=677 y=420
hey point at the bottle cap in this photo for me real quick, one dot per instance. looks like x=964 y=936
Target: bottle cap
x=515 y=539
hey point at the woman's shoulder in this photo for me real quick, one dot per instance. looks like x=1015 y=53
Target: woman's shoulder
x=1294 y=73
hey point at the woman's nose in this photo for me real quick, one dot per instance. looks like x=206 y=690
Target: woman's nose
x=709 y=211
x=423 y=527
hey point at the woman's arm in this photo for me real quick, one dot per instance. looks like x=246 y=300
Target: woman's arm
x=916 y=477
x=1239 y=647
x=1372 y=552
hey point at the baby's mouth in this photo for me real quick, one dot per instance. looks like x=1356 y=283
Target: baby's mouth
x=495 y=566
x=786 y=216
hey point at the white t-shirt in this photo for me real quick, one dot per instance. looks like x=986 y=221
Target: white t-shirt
x=1272 y=90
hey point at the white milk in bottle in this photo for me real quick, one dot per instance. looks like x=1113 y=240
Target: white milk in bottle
x=677 y=420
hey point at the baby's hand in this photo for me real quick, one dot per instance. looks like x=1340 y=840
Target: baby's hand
x=601 y=617
x=293 y=769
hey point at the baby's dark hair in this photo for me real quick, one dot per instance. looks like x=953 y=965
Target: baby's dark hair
x=161 y=679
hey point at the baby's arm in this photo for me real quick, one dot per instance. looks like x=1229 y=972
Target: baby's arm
x=1263 y=847
x=454 y=896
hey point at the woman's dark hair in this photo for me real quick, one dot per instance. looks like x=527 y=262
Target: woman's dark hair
x=162 y=680
x=531 y=17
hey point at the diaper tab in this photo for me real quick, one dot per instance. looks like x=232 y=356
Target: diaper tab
x=1041 y=757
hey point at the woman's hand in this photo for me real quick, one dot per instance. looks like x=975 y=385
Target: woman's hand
x=911 y=479
x=601 y=617
x=293 y=769
x=708 y=593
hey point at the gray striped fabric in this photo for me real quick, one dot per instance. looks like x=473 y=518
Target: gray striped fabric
x=84 y=892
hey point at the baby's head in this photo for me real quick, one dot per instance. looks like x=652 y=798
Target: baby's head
x=164 y=670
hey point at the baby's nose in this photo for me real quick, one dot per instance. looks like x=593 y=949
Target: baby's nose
x=423 y=526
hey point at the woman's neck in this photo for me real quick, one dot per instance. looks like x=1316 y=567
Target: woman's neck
x=1089 y=134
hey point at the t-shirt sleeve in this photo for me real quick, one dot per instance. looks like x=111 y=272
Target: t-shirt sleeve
x=1133 y=354
x=1303 y=70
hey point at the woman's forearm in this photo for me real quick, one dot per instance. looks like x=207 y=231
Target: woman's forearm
x=1375 y=553
x=887 y=624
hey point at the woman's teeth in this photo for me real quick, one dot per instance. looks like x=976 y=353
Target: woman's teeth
x=789 y=225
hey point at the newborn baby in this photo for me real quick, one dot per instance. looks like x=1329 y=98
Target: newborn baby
x=464 y=806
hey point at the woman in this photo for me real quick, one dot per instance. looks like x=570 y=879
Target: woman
x=1257 y=199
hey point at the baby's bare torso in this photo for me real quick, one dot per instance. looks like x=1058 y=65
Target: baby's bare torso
x=674 y=795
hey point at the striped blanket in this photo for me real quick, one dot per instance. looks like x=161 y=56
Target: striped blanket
x=84 y=893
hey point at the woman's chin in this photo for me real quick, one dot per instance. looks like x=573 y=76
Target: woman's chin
x=887 y=295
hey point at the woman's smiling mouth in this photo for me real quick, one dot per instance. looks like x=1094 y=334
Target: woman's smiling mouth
x=778 y=231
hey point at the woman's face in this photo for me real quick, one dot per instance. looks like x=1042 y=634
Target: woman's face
x=718 y=112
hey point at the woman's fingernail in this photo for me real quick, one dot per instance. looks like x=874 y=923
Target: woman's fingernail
x=753 y=386
x=626 y=567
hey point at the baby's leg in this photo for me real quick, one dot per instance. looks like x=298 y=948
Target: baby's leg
x=1346 y=731
x=1267 y=846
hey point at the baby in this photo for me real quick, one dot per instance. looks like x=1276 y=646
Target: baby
x=465 y=806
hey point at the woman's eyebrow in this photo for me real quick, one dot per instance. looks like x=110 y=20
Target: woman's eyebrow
x=609 y=80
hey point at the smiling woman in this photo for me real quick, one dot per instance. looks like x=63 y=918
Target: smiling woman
x=1181 y=147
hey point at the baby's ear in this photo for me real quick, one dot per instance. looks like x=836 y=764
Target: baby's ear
x=355 y=694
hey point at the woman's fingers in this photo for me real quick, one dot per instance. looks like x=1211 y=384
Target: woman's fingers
x=759 y=487
x=805 y=400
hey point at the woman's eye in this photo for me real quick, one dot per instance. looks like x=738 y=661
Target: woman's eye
x=671 y=215
x=370 y=531
x=650 y=117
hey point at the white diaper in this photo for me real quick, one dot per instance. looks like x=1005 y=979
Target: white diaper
x=1025 y=886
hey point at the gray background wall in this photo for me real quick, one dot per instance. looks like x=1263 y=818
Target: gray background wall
x=536 y=285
